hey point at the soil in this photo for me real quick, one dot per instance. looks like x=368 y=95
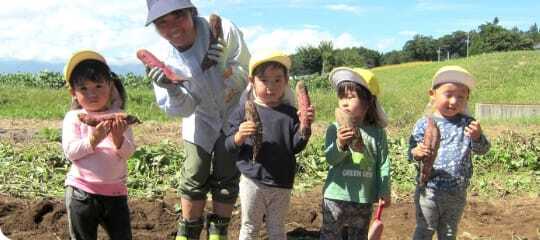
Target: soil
x=504 y=218
x=517 y=218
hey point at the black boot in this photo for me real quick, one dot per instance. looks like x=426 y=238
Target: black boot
x=217 y=227
x=189 y=230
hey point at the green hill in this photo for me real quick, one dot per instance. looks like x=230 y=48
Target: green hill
x=509 y=77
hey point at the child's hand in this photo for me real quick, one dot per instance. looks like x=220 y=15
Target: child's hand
x=345 y=135
x=100 y=133
x=118 y=127
x=473 y=130
x=420 y=151
x=245 y=130
x=309 y=117
x=387 y=201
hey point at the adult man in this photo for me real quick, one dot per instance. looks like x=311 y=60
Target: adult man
x=204 y=99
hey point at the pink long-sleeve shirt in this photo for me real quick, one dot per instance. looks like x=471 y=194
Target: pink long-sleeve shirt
x=102 y=170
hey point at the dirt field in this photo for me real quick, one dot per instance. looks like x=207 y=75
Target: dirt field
x=507 y=218
x=155 y=219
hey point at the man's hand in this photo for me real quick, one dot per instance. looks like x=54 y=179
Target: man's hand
x=158 y=77
x=245 y=130
x=474 y=130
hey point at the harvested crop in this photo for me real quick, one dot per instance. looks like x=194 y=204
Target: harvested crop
x=149 y=60
x=216 y=33
x=304 y=103
x=94 y=120
x=432 y=139
x=344 y=119
x=252 y=115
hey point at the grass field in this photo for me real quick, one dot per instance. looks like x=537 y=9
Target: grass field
x=512 y=77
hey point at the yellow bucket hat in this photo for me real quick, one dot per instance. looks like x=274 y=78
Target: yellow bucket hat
x=77 y=58
x=364 y=77
x=276 y=56
x=453 y=74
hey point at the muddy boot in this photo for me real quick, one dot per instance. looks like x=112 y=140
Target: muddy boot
x=189 y=230
x=217 y=227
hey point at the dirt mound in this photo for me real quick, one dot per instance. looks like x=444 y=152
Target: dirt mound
x=517 y=218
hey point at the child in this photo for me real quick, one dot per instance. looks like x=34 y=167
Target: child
x=267 y=180
x=359 y=172
x=96 y=191
x=440 y=202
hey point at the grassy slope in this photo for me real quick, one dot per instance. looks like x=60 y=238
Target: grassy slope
x=512 y=77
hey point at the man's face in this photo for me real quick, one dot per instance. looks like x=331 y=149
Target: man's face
x=177 y=27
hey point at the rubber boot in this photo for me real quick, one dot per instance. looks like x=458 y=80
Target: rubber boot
x=189 y=230
x=217 y=227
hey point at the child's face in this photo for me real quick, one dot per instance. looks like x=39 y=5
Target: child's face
x=353 y=105
x=177 y=28
x=449 y=99
x=270 y=85
x=93 y=96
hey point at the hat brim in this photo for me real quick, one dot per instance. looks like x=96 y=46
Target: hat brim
x=162 y=8
x=282 y=59
x=453 y=76
x=77 y=58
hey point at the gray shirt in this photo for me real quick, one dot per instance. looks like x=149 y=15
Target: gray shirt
x=205 y=99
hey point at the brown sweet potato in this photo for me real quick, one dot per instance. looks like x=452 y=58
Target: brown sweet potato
x=216 y=33
x=432 y=139
x=93 y=121
x=344 y=119
x=302 y=97
x=253 y=115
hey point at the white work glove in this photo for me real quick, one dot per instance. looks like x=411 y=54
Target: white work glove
x=157 y=76
x=215 y=51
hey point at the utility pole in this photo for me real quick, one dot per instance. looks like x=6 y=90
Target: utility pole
x=447 y=54
x=467 y=41
x=439 y=54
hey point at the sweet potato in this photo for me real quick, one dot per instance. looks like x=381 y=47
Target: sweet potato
x=302 y=97
x=432 y=139
x=149 y=60
x=344 y=119
x=94 y=120
x=216 y=33
x=253 y=115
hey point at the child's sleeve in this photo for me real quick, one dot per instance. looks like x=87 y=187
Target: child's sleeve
x=332 y=153
x=384 y=166
x=235 y=119
x=481 y=146
x=128 y=146
x=416 y=137
x=299 y=141
x=74 y=144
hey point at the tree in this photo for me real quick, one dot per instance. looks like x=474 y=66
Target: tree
x=327 y=51
x=371 y=57
x=421 y=48
x=455 y=43
x=394 y=57
x=348 y=57
x=307 y=60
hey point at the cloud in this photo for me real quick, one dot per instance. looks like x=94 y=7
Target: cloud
x=345 y=8
x=437 y=5
x=289 y=40
x=407 y=33
x=53 y=30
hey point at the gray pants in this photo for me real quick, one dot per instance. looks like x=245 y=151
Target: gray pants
x=345 y=220
x=438 y=211
x=259 y=200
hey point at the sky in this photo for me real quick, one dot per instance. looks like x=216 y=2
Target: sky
x=51 y=30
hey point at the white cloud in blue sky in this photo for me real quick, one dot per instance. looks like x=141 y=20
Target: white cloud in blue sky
x=51 y=30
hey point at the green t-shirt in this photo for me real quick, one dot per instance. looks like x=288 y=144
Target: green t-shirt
x=358 y=177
